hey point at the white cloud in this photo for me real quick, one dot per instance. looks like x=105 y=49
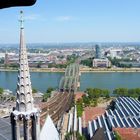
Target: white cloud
x=32 y=17
x=64 y=18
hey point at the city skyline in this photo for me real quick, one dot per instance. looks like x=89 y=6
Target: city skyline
x=66 y=110
x=74 y=21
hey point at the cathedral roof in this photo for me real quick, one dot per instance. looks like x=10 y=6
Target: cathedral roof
x=49 y=131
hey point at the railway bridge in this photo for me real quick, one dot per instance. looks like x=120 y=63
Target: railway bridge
x=62 y=101
x=70 y=81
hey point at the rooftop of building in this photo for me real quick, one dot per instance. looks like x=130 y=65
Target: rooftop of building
x=100 y=59
x=91 y=113
x=79 y=95
x=99 y=134
x=5 y=129
x=128 y=133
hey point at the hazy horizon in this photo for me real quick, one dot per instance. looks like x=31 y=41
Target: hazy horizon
x=74 y=21
x=76 y=42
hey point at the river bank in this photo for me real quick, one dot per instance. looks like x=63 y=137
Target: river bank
x=110 y=70
x=34 y=70
x=82 y=70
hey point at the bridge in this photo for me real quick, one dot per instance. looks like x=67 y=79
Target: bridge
x=62 y=101
x=70 y=81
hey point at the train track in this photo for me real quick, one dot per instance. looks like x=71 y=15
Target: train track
x=56 y=106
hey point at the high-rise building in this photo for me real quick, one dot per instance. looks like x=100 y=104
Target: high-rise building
x=25 y=117
x=97 y=51
x=6 y=58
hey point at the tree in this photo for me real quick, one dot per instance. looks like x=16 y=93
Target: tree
x=121 y=92
x=79 y=136
x=68 y=136
x=39 y=64
x=1 y=91
x=139 y=98
x=135 y=93
x=14 y=66
x=13 y=98
x=2 y=61
x=79 y=105
x=137 y=90
x=105 y=93
x=49 y=90
x=117 y=136
x=114 y=61
x=87 y=62
x=94 y=93
x=46 y=96
x=86 y=100
x=34 y=90
x=71 y=58
x=95 y=102
x=50 y=65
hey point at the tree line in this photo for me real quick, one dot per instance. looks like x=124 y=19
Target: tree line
x=134 y=92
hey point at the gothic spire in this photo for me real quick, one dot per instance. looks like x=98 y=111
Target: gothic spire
x=25 y=116
x=24 y=101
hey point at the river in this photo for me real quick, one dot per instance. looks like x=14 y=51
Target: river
x=42 y=80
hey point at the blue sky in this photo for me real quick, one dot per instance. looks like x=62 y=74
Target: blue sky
x=74 y=21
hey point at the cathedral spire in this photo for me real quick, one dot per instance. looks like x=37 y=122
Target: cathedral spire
x=25 y=117
x=21 y=20
x=24 y=100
